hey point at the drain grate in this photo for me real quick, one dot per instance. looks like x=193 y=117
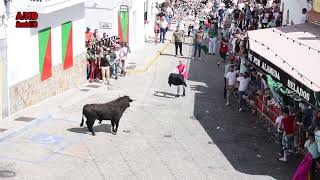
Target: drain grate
x=25 y=119
x=2 y=130
x=86 y=90
x=6 y=174
x=131 y=67
x=93 y=86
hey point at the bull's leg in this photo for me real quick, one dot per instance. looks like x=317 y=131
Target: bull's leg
x=90 y=123
x=100 y=121
x=117 y=125
x=112 y=125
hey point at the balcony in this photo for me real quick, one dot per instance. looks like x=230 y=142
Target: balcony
x=48 y=6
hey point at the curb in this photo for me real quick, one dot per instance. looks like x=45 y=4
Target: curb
x=17 y=131
x=151 y=62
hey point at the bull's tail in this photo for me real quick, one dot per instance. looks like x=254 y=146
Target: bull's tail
x=82 y=120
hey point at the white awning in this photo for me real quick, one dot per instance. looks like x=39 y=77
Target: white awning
x=284 y=44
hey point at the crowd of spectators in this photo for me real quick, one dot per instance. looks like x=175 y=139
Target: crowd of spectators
x=224 y=29
x=106 y=57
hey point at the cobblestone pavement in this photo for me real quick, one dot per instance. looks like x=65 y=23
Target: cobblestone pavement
x=160 y=136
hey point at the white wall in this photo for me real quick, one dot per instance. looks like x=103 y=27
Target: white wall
x=95 y=16
x=2 y=27
x=295 y=10
x=104 y=11
x=137 y=28
x=23 y=43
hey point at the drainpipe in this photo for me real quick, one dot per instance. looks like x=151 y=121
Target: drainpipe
x=4 y=98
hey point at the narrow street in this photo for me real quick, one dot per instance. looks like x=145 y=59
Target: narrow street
x=160 y=136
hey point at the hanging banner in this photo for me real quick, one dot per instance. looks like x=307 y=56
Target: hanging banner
x=123 y=24
x=45 y=59
x=295 y=86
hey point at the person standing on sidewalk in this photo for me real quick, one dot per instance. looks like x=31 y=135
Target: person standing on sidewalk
x=163 y=29
x=212 y=39
x=182 y=69
x=177 y=39
x=123 y=56
x=105 y=68
x=198 y=43
x=156 y=29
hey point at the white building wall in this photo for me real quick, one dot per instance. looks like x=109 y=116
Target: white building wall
x=136 y=25
x=97 y=11
x=23 y=43
x=295 y=10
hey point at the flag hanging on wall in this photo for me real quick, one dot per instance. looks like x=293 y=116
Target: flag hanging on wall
x=123 y=24
x=45 y=59
x=67 y=45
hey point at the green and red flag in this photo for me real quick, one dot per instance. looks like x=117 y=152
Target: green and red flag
x=67 y=45
x=123 y=26
x=45 y=59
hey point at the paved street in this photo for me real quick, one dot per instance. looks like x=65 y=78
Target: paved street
x=160 y=136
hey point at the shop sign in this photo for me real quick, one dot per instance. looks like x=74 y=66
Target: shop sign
x=105 y=25
x=284 y=78
x=27 y=20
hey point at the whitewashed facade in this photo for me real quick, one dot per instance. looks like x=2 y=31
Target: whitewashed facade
x=292 y=10
x=19 y=49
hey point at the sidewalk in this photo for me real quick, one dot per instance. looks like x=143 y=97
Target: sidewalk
x=140 y=60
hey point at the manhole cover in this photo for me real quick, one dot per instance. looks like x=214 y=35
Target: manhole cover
x=93 y=86
x=86 y=90
x=131 y=67
x=210 y=142
x=167 y=136
x=6 y=174
x=126 y=131
x=25 y=119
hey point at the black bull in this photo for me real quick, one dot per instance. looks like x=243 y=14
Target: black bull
x=176 y=79
x=109 y=111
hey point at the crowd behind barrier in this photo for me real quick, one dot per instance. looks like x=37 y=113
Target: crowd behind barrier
x=222 y=29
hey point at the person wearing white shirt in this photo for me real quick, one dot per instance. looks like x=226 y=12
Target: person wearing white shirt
x=231 y=79
x=243 y=87
x=163 y=29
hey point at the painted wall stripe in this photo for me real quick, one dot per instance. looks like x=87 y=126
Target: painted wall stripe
x=67 y=45
x=43 y=42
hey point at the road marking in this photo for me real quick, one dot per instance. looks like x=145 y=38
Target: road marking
x=151 y=62
x=43 y=138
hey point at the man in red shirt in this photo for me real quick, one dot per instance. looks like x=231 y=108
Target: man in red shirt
x=88 y=36
x=288 y=133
